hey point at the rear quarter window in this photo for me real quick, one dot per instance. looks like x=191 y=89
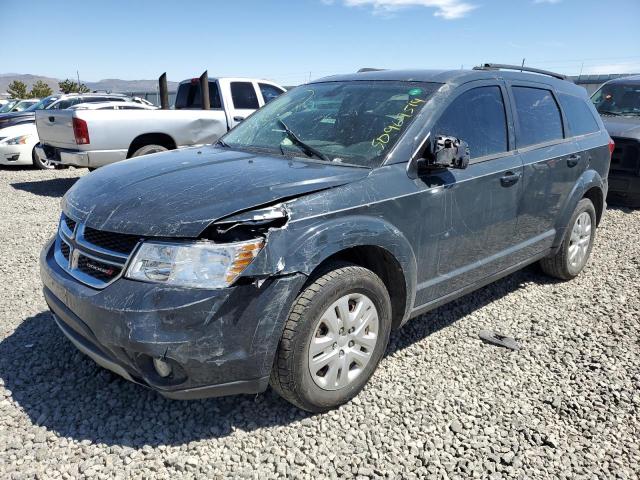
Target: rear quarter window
x=539 y=117
x=579 y=115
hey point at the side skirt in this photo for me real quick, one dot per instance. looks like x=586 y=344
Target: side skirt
x=474 y=286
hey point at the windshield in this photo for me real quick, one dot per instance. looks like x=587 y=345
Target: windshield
x=354 y=122
x=618 y=99
x=42 y=104
x=8 y=106
x=23 y=105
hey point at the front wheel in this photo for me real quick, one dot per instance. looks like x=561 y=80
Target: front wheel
x=335 y=336
x=576 y=246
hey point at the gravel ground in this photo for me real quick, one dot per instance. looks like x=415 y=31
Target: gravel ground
x=441 y=405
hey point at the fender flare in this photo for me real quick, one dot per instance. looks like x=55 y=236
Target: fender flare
x=588 y=180
x=313 y=243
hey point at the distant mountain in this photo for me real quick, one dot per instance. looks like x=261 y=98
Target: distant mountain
x=109 y=84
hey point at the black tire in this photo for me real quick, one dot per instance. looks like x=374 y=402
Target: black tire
x=559 y=265
x=291 y=376
x=38 y=164
x=147 y=149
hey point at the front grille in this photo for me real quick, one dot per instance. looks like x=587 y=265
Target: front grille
x=65 y=249
x=93 y=257
x=626 y=156
x=118 y=242
x=71 y=224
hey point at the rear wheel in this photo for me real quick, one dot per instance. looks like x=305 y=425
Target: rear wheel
x=574 y=252
x=40 y=164
x=148 y=149
x=335 y=336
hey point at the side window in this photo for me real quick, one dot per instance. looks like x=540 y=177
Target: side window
x=478 y=117
x=64 y=104
x=579 y=115
x=269 y=92
x=538 y=116
x=189 y=96
x=244 y=95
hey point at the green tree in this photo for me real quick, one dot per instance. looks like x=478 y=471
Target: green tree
x=69 y=86
x=17 y=89
x=40 y=90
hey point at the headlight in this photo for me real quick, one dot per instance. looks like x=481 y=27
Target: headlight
x=195 y=264
x=22 y=140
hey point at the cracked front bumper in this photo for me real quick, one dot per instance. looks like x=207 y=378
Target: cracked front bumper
x=218 y=342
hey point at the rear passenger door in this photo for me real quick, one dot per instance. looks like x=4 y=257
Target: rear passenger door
x=244 y=101
x=552 y=164
x=482 y=200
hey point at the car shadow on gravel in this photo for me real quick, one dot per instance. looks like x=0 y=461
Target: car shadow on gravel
x=60 y=389
x=54 y=187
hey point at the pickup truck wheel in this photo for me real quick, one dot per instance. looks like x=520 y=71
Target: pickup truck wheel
x=39 y=164
x=335 y=336
x=576 y=246
x=147 y=149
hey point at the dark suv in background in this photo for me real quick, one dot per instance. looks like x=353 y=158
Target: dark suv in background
x=618 y=102
x=287 y=252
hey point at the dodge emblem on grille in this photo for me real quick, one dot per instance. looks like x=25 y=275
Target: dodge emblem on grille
x=106 y=271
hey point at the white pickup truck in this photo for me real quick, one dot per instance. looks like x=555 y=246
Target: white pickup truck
x=93 y=138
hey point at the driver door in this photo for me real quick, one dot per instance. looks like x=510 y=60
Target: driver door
x=481 y=205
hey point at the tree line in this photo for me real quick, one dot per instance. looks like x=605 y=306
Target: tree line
x=18 y=89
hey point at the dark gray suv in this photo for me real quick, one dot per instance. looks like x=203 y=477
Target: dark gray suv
x=287 y=252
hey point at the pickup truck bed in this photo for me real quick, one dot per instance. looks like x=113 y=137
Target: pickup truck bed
x=115 y=135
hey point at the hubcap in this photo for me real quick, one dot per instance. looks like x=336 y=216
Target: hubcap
x=579 y=240
x=343 y=341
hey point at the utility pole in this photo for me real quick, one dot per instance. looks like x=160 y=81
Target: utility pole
x=78 y=75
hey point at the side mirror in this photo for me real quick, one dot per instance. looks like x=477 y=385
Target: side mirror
x=449 y=152
x=444 y=152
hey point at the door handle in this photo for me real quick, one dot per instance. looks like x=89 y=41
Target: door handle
x=509 y=179
x=572 y=160
x=238 y=119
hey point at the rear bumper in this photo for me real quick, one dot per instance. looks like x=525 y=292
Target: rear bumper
x=218 y=342
x=78 y=158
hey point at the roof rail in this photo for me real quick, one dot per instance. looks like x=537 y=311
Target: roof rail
x=500 y=66
x=370 y=69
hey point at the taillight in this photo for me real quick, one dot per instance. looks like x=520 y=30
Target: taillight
x=81 y=131
x=612 y=147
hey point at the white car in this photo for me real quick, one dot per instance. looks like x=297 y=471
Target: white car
x=17 y=143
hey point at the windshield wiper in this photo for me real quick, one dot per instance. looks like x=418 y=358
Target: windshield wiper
x=310 y=151
x=222 y=143
x=609 y=112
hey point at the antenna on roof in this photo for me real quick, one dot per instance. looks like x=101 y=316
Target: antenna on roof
x=522 y=66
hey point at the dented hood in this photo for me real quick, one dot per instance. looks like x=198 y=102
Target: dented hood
x=178 y=194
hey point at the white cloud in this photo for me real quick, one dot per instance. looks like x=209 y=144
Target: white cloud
x=547 y=1
x=447 y=9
